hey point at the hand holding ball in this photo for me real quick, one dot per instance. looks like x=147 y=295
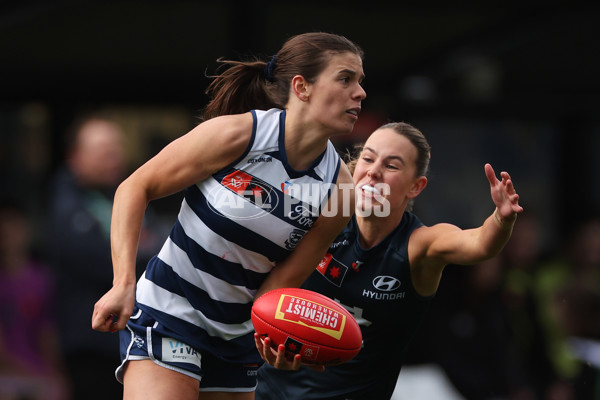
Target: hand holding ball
x=309 y=324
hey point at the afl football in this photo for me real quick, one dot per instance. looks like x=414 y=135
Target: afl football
x=307 y=323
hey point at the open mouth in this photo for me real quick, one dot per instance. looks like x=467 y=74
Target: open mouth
x=371 y=189
x=354 y=112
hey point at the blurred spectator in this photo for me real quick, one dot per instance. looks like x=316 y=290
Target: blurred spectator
x=524 y=326
x=571 y=291
x=474 y=333
x=467 y=332
x=79 y=215
x=532 y=372
x=30 y=364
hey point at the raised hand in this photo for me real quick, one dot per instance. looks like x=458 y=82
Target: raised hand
x=503 y=194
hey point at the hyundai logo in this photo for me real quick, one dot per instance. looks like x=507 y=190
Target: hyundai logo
x=386 y=283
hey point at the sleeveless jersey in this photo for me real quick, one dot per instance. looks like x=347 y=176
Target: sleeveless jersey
x=231 y=230
x=375 y=286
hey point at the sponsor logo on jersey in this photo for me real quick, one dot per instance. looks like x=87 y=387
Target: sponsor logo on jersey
x=386 y=289
x=333 y=270
x=386 y=283
x=175 y=351
x=303 y=215
x=251 y=188
x=260 y=159
x=247 y=193
x=310 y=314
x=383 y=296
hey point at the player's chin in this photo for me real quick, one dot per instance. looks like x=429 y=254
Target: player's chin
x=346 y=124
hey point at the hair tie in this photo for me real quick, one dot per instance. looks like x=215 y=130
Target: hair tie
x=269 y=69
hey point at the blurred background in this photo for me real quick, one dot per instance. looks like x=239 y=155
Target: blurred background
x=516 y=85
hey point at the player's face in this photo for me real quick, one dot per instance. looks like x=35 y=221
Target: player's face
x=385 y=171
x=335 y=98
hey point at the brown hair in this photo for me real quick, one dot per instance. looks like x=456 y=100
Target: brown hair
x=245 y=85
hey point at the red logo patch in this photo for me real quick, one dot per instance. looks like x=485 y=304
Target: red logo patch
x=237 y=181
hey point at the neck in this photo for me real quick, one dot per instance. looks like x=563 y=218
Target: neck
x=374 y=229
x=303 y=143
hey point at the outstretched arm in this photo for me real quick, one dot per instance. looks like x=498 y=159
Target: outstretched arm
x=432 y=248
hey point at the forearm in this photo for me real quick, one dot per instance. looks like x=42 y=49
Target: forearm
x=294 y=270
x=495 y=233
x=128 y=213
x=301 y=263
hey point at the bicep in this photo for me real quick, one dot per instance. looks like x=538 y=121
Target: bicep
x=444 y=244
x=193 y=157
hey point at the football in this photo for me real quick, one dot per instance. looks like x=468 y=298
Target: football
x=309 y=324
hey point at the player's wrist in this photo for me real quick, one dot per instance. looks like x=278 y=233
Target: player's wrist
x=504 y=222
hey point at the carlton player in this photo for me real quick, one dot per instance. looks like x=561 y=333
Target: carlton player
x=385 y=268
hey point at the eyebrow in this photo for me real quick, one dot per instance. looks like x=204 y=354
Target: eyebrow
x=400 y=159
x=352 y=72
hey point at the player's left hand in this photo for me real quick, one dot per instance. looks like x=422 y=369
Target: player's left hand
x=503 y=193
x=277 y=358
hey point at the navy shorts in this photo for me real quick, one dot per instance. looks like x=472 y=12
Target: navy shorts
x=144 y=338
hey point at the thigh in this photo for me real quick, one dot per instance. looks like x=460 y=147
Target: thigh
x=145 y=380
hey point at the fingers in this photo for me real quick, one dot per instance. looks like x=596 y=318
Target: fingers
x=275 y=358
x=103 y=323
x=264 y=349
x=490 y=174
x=258 y=343
x=280 y=360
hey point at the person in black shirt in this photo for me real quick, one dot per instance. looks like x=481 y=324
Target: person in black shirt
x=385 y=268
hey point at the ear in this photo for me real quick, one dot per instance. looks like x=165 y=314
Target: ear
x=417 y=187
x=300 y=87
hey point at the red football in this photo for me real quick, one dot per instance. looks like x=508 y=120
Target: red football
x=309 y=324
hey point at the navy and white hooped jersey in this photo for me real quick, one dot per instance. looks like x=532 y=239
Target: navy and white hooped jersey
x=375 y=286
x=231 y=230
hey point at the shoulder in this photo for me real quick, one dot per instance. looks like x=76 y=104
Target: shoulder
x=229 y=133
x=231 y=126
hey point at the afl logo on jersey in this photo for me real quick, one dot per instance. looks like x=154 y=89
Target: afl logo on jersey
x=386 y=283
x=242 y=196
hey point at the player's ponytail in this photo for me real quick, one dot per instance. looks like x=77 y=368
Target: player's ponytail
x=241 y=86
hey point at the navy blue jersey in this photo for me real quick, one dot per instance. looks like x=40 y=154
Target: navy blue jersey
x=375 y=286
